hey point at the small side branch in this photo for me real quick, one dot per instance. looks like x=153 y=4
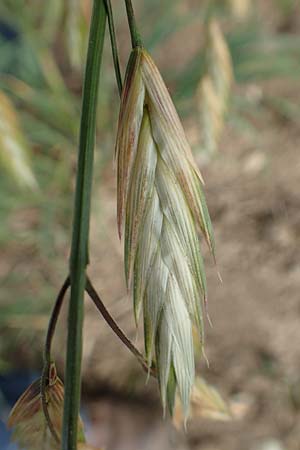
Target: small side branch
x=116 y=329
x=53 y=319
x=114 y=46
x=135 y=35
x=47 y=354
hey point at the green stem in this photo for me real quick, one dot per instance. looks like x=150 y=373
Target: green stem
x=81 y=220
x=114 y=46
x=135 y=35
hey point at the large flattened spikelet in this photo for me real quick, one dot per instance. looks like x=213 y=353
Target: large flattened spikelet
x=161 y=204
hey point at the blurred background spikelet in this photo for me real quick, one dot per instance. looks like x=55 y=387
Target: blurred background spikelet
x=76 y=23
x=206 y=402
x=14 y=152
x=214 y=88
x=240 y=8
x=211 y=114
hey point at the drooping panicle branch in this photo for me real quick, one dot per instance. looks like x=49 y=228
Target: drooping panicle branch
x=53 y=319
x=134 y=33
x=115 y=327
x=114 y=46
x=47 y=353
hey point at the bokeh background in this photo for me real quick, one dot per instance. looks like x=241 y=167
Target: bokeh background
x=252 y=186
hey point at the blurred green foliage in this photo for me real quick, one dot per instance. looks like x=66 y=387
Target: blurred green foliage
x=42 y=47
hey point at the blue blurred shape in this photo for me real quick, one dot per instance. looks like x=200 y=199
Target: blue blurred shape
x=8 y=32
x=12 y=385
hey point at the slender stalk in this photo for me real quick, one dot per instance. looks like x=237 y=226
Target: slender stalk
x=44 y=383
x=80 y=236
x=115 y=327
x=114 y=46
x=47 y=353
x=135 y=35
x=53 y=320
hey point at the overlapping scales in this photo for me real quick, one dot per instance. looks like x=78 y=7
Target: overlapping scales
x=161 y=201
x=141 y=185
x=130 y=118
x=172 y=143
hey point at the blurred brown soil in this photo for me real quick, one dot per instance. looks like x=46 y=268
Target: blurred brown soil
x=252 y=189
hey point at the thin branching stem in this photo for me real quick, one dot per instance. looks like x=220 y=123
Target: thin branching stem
x=81 y=221
x=47 y=354
x=134 y=33
x=53 y=319
x=114 y=46
x=115 y=328
x=50 y=334
x=44 y=384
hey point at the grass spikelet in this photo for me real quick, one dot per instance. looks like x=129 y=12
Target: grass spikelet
x=214 y=88
x=211 y=114
x=31 y=430
x=161 y=206
x=240 y=8
x=13 y=149
x=219 y=61
x=206 y=402
x=76 y=27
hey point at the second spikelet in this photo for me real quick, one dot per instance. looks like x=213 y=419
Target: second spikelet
x=160 y=206
x=31 y=428
x=13 y=149
x=214 y=89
